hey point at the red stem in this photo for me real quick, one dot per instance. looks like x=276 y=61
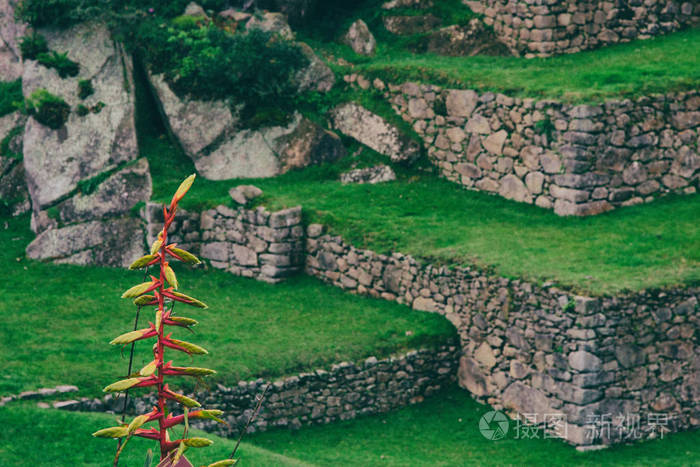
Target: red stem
x=163 y=435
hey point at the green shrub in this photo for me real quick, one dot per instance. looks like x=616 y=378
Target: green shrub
x=10 y=96
x=60 y=61
x=48 y=109
x=82 y=110
x=85 y=88
x=32 y=46
x=255 y=69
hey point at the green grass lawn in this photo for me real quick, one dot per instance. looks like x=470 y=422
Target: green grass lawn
x=33 y=437
x=443 y=431
x=58 y=321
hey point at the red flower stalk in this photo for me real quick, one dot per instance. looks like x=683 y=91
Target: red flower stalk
x=153 y=374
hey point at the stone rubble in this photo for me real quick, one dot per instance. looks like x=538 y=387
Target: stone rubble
x=371 y=175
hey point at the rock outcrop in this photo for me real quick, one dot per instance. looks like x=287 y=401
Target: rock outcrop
x=10 y=33
x=82 y=177
x=360 y=39
x=373 y=131
x=56 y=160
x=210 y=135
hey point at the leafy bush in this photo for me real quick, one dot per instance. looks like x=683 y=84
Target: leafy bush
x=33 y=45
x=48 y=109
x=255 y=69
x=82 y=110
x=85 y=88
x=60 y=61
x=10 y=96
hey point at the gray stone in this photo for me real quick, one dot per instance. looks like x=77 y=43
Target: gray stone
x=634 y=174
x=494 y=142
x=408 y=25
x=217 y=251
x=275 y=23
x=551 y=163
x=461 y=103
x=525 y=399
x=371 y=175
x=113 y=242
x=56 y=160
x=514 y=188
x=120 y=192
x=10 y=33
x=484 y=355
x=629 y=356
x=317 y=76
x=478 y=124
x=373 y=131
x=568 y=194
x=360 y=39
x=584 y=361
x=244 y=256
x=534 y=182
x=471 y=377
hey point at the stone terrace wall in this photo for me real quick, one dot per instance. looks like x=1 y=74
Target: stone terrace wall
x=539 y=350
x=245 y=242
x=576 y=159
x=546 y=27
x=342 y=393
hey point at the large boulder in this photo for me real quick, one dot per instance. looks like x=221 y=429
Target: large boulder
x=360 y=39
x=84 y=178
x=86 y=146
x=271 y=151
x=210 y=135
x=317 y=76
x=373 y=131
x=14 y=197
x=275 y=23
x=114 y=242
x=10 y=33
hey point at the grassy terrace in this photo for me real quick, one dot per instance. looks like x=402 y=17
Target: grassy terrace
x=442 y=431
x=58 y=321
x=422 y=215
x=662 y=64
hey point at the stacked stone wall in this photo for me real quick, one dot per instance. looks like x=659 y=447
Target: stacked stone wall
x=539 y=28
x=542 y=351
x=575 y=159
x=343 y=392
x=246 y=242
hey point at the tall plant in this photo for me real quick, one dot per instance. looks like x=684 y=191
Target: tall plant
x=161 y=292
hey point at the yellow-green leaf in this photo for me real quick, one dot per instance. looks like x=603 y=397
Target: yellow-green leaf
x=184 y=321
x=113 y=432
x=156 y=246
x=194 y=301
x=137 y=423
x=212 y=414
x=223 y=463
x=186 y=256
x=194 y=371
x=184 y=186
x=142 y=261
x=122 y=385
x=149 y=369
x=170 y=276
x=129 y=337
x=184 y=400
x=190 y=347
x=144 y=300
x=137 y=290
x=159 y=319
x=197 y=442
x=180 y=451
